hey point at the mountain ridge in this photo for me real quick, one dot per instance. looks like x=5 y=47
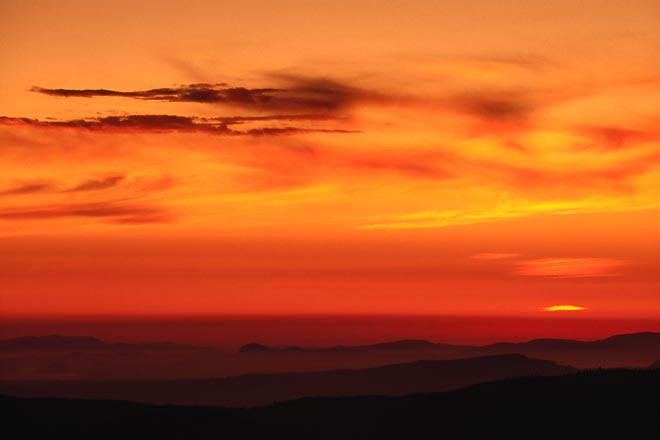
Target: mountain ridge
x=259 y=389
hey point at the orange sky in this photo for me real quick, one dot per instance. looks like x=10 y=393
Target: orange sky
x=284 y=157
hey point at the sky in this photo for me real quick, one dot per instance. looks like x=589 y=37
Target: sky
x=494 y=159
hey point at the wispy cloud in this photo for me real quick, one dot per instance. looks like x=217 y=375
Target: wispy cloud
x=113 y=212
x=98 y=184
x=570 y=267
x=28 y=188
x=494 y=256
x=297 y=94
x=139 y=184
x=167 y=123
x=427 y=166
x=495 y=105
x=435 y=219
x=613 y=138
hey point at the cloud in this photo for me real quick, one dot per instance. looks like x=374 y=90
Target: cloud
x=411 y=167
x=107 y=211
x=570 y=267
x=498 y=106
x=191 y=93
x=28 y=188
x=166 y=123
x=128 y=122
x=98 y=184
x=232 y=120
x=140 y=183
x=436 y=219
x=564 y=308
x=150 y=184
x=298 y=94
x=323 y=96
x=494 y=109
x=279 y=131
x=612 y=138
x=494 y=256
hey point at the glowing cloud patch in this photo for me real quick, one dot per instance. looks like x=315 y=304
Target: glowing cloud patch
x=509 y=210
x=494 y=256
x=570 y=267
x=563 y=308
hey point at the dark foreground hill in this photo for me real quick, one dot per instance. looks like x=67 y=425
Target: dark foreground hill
x=596 y=404
x=261 y=389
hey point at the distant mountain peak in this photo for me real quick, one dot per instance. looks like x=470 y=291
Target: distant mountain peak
x=400 y=345
x=255 y=348
x=51 y=342
x=405 y=343
x=56 y=338
x=59 y=342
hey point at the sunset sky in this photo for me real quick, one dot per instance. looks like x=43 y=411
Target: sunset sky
x=479 y=158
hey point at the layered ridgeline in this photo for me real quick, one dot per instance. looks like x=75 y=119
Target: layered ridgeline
x=630 y=350
x=260 y=389
x=592 y=404
x=85 y=358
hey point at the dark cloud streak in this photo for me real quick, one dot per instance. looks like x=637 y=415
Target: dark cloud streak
x=27 y=188
x=494 y=106
x=321 y=98
x=612 y=138
x=300 y=94
x=98 y=184
x=165 y=123
x=112 y=212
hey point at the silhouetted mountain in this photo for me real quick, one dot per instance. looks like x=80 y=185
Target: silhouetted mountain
x=383 y=348
x=60 y=343
x=655 y=364
x=256 y=348
x=596 y=404
x=75 y=358
x=636 y=349
x=251 y=390
x=52 y=342
x=86 y=358
x=411 y=344
x=83 y=358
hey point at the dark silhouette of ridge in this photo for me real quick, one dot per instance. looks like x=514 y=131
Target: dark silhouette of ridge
x=636 y=349
x=91 y=359
x=252 y=390
x=592 y=404
x=409 y=344
x=51 y=342
x=80 y=358
x=57 y=343
x=256 y=348
x=395 y=346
